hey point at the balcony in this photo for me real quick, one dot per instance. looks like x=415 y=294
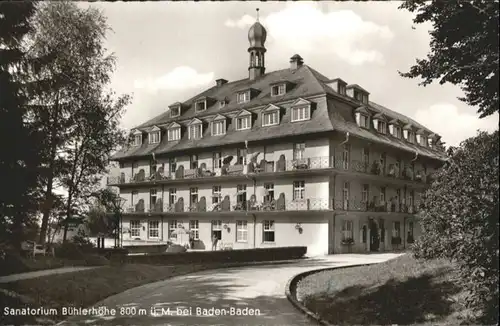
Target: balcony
x=283 y=165
x=375 y=206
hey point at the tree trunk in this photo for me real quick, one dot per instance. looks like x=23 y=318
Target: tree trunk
x=50 y=179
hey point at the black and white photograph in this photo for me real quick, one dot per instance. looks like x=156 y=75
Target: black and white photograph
x=249 y=163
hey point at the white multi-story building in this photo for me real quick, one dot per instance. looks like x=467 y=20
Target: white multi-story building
x=285 y=158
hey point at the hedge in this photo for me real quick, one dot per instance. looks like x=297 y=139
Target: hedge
x=224 y=256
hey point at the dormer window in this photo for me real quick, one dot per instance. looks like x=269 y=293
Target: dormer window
x=155 y=136
x=341 y=89
x=382 y=127
x=364 y=121
x=175 y=110
x=174 y=132
x=195 y=129
x=278 y=90
x=137 y=140
x=362 y=116
x=301 y=110
x=243 y=97
x=200 y=105
x=423 y=140
x=358 y=93
x=397 y=132
x=219 y=126
x=270 y=116
x=222 y=104
x=411 y=136
x=358 y=96
x=380 y=123
x=243 y=123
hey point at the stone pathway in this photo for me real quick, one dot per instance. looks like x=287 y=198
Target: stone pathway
x=252 y=295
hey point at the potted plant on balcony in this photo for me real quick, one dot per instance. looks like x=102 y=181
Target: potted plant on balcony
x=418 y=176
x=376 y=167
x=392 y=171
x=347 y=242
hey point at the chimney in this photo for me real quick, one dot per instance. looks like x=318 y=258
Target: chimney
x=220 y=82
x=296 y=62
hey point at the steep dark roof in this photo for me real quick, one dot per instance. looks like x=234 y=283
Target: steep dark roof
x=306 y=82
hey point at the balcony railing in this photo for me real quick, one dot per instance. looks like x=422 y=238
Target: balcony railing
x=282 y=165
x=373 y=206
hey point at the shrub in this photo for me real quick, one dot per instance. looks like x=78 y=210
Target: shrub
x=96 y=260
x=459 y=219
x=69 y=250
x=176 y=248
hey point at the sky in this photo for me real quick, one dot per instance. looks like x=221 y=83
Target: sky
x=170 y=51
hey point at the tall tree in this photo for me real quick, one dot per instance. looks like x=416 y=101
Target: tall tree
x=73 y=109
x=460 y=221
x=464 y=48
x=20 y=158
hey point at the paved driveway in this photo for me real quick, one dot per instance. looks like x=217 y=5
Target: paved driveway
x=257 y=289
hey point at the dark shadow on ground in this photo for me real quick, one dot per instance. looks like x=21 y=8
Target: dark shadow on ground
x=415 y=300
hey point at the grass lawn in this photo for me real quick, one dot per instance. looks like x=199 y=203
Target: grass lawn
x=402 y=291
x=81 y=289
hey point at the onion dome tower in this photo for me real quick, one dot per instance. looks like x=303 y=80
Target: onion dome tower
x=256 y=37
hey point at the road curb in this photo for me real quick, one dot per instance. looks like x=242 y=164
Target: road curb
x=291 y=291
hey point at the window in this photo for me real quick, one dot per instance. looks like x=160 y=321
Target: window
x=268 y=192
x=383 y=160
x=243 y=97
x=135 y=228
x=345 y=195
x=153 y=229
x=175 y=111
x=200 y=106
x=411 y=198
x=298 y=151
x=194 y=228
x=278 y=90
x=423 y=141
x=365 y=99
x=193 y=196
x=217 y=160
x=193 y=161
x=154 y=137
x=410 y=228
x=299 y=190
x=137 y=140
x=398 y=196
x=411 y=136
x=396 y=230
x=134 y=194
x=195 y=131
x=241 y=231
x=365 y=157
x=243 y=123
x=268 y=231
x=172 y=229
x=174 y=134
x=172 y=196
x=301 y=113
x=152 y=198
x=364 y=121
x=217 y=229
x=345 y=156
x=152 y=167
x=382 y=194
x=341 y=89
x=347 y=230
x=382 y=230
x=382 y=127
x=216 y=194
x=397 y=132
x=358 y=96
x=242 y=156
x=365 y=193
x=241 y=196
x=173 y=165
x=270 y=118
x=218 y=128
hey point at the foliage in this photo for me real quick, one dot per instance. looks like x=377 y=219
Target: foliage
x=20 y=157
x=460 y=220
x=464 y=54
x=75 y=109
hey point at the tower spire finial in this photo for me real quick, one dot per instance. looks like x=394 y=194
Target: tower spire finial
x=257 y=14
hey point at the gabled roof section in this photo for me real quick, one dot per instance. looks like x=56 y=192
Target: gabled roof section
x=356 y=86
x=219 y=117
x=379 y=116
x=301 y=101
x=340 y=80
x=203 y=98
x=408 y=126
x=174 y=105
x=395 y=122
x=271 y=107
x=194 y=121
x=155 y=128
x=174 y=125
x=243 y=113
x=421 y=132
x=362 y=109
x=136 y=132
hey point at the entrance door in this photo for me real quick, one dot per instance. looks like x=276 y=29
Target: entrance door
x=374 y=236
